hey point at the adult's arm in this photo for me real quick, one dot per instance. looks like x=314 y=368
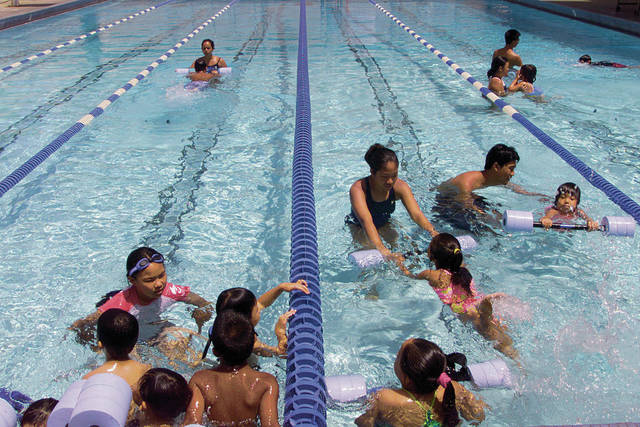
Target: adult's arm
x=403 y=190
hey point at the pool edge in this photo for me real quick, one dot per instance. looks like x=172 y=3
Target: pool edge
x=34 y=15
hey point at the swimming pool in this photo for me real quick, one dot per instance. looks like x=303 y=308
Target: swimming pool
x=205 y=178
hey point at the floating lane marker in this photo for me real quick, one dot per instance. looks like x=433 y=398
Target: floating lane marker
x=26 y=168
x=84 y=36
x=618 y=197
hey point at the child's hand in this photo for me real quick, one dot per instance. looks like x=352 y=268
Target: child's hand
x=201 y=315
x=546 y=222
x=281 y=331
x=300 y=285
x=592 y=225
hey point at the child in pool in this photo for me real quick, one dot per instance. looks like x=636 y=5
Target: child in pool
x=118 y=334
x=455 y=287
x=165 y=395
x=233 y=393
x=147 y=297
x=244 y=301
x=523 y=82
x=37 y=414
x=499 y=70
x=201 y=74
x=565 y=207
x=428 y=396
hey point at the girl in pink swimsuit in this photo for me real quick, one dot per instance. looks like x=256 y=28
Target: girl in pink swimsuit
x=455 y=287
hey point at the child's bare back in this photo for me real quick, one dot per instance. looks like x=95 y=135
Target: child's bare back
x=234 y=396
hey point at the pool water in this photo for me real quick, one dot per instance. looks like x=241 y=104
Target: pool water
x=204 y=177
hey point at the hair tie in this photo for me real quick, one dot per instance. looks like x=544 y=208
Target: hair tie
x=456 y=250
x=444 y=379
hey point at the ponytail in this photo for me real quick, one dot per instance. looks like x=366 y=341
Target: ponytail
x=450 y=416
x=378 y=155
x=446 y=253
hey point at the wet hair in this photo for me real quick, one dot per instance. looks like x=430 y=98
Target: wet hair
x=528 y=73
x=240 y=300
x=423 y=362
x=568 y=188
x=137 y=254
x=446 y=253
x=118 y=332
x=585 y=59
x=37 y=414
x=165 y=392
x=213 y=46
x=378 y=155
x=511 y=35
x=497 y=63
x=200 y=65
x=502 y=154
x=232 y=336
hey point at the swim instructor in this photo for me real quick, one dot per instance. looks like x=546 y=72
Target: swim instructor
x=373 y=199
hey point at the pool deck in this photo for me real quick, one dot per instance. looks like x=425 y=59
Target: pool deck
x=598 y=12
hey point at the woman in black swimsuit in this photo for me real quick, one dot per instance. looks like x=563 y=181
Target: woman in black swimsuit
x=373 y=199
x=213 y=62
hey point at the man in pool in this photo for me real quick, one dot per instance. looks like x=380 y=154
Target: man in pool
x=499 y=168
x=586 y=59
x=511 y=40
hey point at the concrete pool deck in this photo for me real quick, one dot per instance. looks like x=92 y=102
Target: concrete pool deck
x=598 y=12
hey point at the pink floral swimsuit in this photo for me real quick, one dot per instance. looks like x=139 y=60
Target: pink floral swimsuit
x=456 y=297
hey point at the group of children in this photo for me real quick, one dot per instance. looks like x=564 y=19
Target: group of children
x=230 y=393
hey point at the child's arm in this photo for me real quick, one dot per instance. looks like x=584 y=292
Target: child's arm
x=85 y=328
x=196 y=406
x=271 y=295
x=591 y=224
x=201 y=314
x=281 y=332
x=269 y=404
x=470 y=406
x=546 y=219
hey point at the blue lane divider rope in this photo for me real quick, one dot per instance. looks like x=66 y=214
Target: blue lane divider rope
x=16 y=176
x=305 y=392
x=618 y=197
x=84 y=36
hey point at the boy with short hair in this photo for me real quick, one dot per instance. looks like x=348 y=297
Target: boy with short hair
x=118 y=334
x=511 y=40
x=165 y=395
x=233 y=393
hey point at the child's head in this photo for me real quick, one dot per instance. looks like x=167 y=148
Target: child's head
x=200 y=65
x=511 y=36
x=164 y=393
x=567 y=197
x=445 y=252
x=232 y=337
x=118 y=333
x=585 y=59
x=146 y=273
x=240 y=300
x=528 y=73
x=499 y=67
x=420 y=366
x=37 y=414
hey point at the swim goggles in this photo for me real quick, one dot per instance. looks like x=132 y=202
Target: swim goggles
x=144 y=263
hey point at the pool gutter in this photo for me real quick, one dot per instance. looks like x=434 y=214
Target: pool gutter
x=34 y=12
x=611 y=22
